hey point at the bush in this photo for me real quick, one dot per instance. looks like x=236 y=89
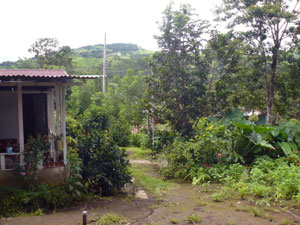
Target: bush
x=105 y=166
x=162 y=139
x=11 y=203
x=140 y=140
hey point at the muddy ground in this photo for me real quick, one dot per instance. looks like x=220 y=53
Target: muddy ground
x=174 y=206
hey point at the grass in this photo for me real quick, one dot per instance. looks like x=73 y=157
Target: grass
x=285 y=222
x=193 y=219
x=173 y=221
x=151 y=184
x=242 y=209
x=111 y=219
x=138 y=153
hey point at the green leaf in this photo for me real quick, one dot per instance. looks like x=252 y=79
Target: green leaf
x=275 y=132
x=263 y=129
x=257 y=139
x=286 y=148
x=293 y=146
x=244 y=126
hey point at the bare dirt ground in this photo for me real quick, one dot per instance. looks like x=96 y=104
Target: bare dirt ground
x=174 y=206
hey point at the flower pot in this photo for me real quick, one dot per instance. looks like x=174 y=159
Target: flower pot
x=59 y=145
x=9 y=150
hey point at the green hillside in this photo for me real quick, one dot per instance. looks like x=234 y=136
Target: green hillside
x=122 y=58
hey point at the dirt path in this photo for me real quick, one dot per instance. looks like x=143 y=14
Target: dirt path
x=174 y=206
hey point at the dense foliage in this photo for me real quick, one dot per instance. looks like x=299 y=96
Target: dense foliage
x=179 y=72
x=104 y=165
x=229 y=141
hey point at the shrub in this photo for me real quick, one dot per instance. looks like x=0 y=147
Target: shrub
x=35 y=149
x=105 y=166
x=162 y=139
x=140 y=140
x=11 y=203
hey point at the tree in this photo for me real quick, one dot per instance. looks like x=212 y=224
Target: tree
x=270 y=25
x=43 y=49
x=48 y=53
x=223 y=53
x=179 y=71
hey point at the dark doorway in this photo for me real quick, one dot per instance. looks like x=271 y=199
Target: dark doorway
x=35 y=115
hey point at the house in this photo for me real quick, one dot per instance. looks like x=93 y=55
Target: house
x=33 y=102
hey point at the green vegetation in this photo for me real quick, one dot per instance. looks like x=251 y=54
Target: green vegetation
x=199 y=92
x=151 y=184
x=193 y=219
x=111 y=219
x=138 y=153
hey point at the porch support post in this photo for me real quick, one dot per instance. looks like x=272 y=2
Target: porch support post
x=50 y=112
x=2 y=161
x=63 y=123
x=57 y=104
x=20 y=122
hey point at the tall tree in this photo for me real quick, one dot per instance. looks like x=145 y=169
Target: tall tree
x=48 y=53
x=270 y=25
x=179 y=71
x=43 y=48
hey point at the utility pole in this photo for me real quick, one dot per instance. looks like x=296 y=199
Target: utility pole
x=104 y=66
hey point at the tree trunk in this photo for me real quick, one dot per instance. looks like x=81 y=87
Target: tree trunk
x=271 y=86
x=269 y=109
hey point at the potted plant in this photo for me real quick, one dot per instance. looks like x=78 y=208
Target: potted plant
x=58 y=143
x=9 y=148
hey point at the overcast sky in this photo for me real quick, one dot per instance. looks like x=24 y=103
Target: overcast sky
x=83 y=22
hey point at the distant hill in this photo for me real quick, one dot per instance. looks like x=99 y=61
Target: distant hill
x=122 y=58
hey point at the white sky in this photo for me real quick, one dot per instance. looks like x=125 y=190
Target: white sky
x=83 y=22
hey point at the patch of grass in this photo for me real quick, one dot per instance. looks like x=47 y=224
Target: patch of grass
x=111 y=219
x=201 y=203
x=218 y=197
x=285 y=222
x=230 y=223
x=38 y=212
x=193 y=219
x=273 y=210
x=138 y=153
x=242 y=209
x=151 y=184
x=173 y=221
x=170 y=204
x=256 y=212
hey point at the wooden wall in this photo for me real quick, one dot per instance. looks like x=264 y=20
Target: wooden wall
x=8 y=116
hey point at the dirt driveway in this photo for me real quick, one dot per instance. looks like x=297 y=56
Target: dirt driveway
x=181 y=204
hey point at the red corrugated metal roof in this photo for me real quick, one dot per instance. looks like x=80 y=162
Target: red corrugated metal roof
x=33 y=73
x=42 y=73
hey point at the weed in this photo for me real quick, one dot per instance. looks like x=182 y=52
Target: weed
x=173 y=221
x=267 y=216
x=193 y=219
x=230 y=223
x=170 y=204
x=218 y=197
x=38 y=212
x=111 y=219
x=285 y=222
x=257 y=212
x=201 y=203
x=242 y=209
